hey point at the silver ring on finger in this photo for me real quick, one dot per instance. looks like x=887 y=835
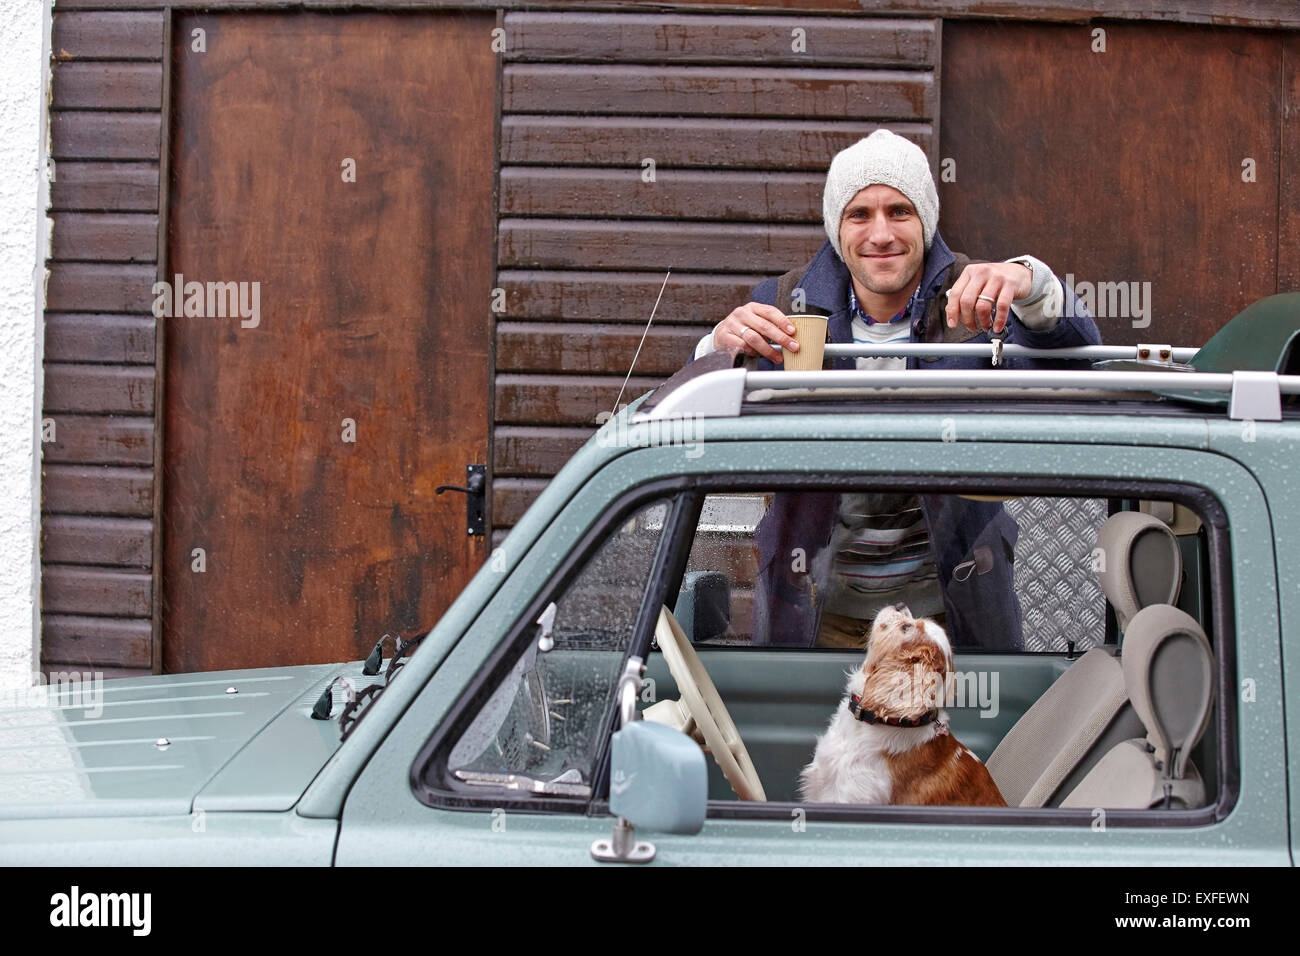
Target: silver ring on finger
x=987 y=298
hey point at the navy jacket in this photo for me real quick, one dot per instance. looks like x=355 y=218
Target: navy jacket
x=981 y=608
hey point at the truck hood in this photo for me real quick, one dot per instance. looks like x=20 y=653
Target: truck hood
x=227 y=740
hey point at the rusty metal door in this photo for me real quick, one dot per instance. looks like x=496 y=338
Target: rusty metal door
x=1144 y=162
x=328 y=343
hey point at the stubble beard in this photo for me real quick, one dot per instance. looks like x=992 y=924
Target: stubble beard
x=886 y=286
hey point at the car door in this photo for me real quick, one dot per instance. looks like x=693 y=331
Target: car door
x=386 y=819
x=544 y=718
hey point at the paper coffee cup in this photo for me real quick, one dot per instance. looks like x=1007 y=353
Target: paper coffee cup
x=810 y=333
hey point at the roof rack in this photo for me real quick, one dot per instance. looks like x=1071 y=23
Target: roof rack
x=711 y=388
x=1247 y=366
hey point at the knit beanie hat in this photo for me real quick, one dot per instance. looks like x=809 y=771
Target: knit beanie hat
x=887 y=159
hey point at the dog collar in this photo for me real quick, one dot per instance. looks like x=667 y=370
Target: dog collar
x=870 y=717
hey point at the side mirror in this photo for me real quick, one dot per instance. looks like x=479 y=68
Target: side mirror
x=703 y=605
x=658 y=779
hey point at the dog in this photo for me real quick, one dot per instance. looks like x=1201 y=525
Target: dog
x=889 y=743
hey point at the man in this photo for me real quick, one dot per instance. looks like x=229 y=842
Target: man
x=828 y=562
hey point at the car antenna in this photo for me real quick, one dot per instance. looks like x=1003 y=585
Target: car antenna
x=641 y=343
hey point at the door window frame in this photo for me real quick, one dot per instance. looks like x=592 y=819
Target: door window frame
x=1219 y=629
x=429 y=774
x=431 y=778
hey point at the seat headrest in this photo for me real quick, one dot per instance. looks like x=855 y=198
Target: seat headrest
x=1140 y=563
x=1169 y=675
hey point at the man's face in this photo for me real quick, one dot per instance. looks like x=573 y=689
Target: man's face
x=882 y=240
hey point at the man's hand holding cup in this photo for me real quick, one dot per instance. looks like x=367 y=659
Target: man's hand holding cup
x=753 y=327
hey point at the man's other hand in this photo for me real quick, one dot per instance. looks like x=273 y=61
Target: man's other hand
x=982 y=295
x=753 y=327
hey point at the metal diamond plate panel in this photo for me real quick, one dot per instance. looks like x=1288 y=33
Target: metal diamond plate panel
x=1060 y=597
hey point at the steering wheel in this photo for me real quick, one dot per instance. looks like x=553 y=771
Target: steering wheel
x=704 y=706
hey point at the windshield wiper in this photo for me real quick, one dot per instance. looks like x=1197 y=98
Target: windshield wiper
x=352 y=708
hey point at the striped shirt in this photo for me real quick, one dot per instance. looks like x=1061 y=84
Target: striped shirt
x=881 y=546
x=882 y=556
x=880 y=333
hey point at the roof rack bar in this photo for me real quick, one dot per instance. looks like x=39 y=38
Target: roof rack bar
x=1250 y=390
x=716 y=394
x=985 y=349
x=722 y=393
x=1011 y=378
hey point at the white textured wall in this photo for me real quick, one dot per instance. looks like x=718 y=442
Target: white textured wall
x=24 y=45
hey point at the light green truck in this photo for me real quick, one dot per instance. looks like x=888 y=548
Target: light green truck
x=1156 y=506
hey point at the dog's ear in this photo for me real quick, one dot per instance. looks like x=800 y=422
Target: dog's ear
x=937 y=665
x=887 y=691
x=938 y=634
x=928 y=656
x=940 y=661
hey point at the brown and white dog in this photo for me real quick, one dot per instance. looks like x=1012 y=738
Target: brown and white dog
x=889 y=741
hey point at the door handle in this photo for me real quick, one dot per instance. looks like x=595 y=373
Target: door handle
x=475 y=491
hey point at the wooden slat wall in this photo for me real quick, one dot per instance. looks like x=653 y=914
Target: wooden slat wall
x=1257 y=13
x=97 y=486
x=740 y=125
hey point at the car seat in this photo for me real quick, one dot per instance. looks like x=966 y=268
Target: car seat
x=1169 y=675
x=1086 y=712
